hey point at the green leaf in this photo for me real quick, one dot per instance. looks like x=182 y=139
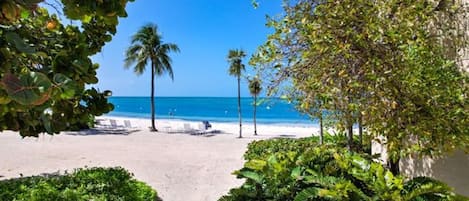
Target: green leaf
x=256 y=164
x=25 y=14
x=67 y=85
x=296 y=173
x=307 y=194
x=32 y=88
x=251 y=175
x=18 y=42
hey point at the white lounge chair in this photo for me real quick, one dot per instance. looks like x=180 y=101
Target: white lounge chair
x=188 y=128
x=113 y=123
x=127 y=124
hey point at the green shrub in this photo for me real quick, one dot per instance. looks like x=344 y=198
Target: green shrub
x=84 y=184
x=264 y=148
x=300 y=170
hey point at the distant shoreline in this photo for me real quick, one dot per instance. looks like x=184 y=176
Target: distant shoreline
x=245 y=121
x=216 y=109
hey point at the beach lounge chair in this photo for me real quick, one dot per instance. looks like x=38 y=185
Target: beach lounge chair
x=127 y=124
x=188 y=128
x=202 y=127
x=113 y=123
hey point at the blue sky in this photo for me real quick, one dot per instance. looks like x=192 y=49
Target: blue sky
x=204 y=30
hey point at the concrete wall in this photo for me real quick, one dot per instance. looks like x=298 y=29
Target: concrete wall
x=452 y=169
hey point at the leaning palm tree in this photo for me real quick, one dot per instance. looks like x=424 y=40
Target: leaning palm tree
x=255 y=89
x=235 y=58
x=147 y=47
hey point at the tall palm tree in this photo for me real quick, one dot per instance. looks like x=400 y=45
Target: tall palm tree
x=255 y=89
x=147 y=46
x=235 y=58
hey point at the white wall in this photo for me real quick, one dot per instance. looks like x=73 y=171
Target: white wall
x=452 y=169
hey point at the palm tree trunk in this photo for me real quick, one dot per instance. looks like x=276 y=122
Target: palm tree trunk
x=255 y=108
x=153 y=127
x=239 y=107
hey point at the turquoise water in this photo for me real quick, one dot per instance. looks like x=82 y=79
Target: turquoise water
x=219 y=109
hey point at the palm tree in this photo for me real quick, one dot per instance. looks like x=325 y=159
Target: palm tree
x=255 y=89
x=146 y=46
x=235 y=58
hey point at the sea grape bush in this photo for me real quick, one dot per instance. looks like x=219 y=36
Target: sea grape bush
x=83 y=184
x=301 y=169
x=45 y=65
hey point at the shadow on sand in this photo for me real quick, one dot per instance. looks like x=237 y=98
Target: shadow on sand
x=103 y=131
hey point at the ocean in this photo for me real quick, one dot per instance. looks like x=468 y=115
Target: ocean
x=216 y=109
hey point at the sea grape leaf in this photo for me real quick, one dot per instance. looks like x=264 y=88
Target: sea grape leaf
x=9 y=10
x=32 y=88
x=4 y=99
x=67 y=85
x=18 y=42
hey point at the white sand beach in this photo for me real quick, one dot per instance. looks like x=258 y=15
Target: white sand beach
x=180 y=166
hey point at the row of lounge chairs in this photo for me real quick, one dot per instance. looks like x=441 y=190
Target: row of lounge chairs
x=199 y=129
x=166 y=127
x=113 y=124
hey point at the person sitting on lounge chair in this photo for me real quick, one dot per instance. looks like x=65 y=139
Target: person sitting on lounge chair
x=207 y=124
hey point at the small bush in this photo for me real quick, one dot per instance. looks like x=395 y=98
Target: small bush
x=265 y=148
x=301 y=170
x=84 y=184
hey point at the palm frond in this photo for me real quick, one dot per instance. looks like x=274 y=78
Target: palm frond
x=147 y=46
x=235 y=58
x=255 y=86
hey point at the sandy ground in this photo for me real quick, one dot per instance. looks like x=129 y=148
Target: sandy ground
x=181 y=167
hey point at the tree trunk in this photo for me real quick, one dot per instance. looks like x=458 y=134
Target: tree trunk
x=255 y=108
x=239 y=107
x=394 y=165
x=360 y=130
x=350 y=136
x=153 y=127
x=321 y=131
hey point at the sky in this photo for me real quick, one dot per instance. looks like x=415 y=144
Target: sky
x=204 y=30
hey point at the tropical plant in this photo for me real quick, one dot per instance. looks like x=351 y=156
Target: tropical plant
x=255 y=88
x=391 y=67
x=325 y=173
x=45 y=65
x=83 y=184
x=235 y=58
x=147 y=46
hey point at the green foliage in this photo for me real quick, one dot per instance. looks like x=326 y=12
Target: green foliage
x=388 y=64
x=147 y=47
x=45 y=66
x=83 y=184
x=300 y=170
x=255 y=86
x=235 y=59
x=264 y=148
